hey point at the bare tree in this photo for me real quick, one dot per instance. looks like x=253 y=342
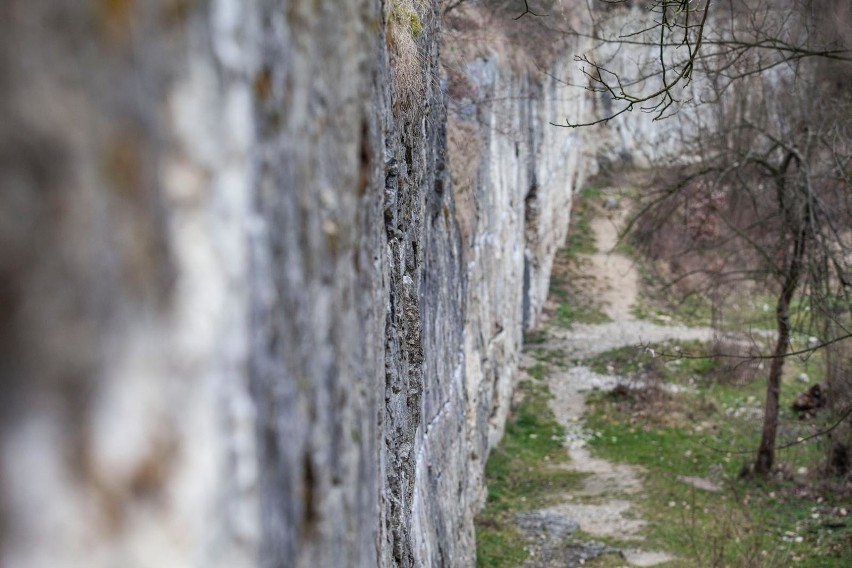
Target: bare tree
x=769 y=162
x=772 y=177
x=731 y=39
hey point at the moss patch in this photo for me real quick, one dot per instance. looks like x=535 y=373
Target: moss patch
x=522 y=473
x=710 y=432
x=575 y=303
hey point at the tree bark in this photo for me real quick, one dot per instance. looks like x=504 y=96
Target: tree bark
x=766 y=450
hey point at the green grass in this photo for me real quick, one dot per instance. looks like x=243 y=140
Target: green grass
x=729 y=381
x=581 y=238
x=555 y=357
x=729 y=528
x=570 y=312
x=635 y=362
x=750 y=309
x=574 y=307
x=535 y=336
x=522 y=473
x=750 y=522
x=652 y=305
x=538 y=371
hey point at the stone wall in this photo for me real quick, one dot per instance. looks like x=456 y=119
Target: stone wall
x=249 y=319
x=129 y=434
x=233 y=281
x=514 y=210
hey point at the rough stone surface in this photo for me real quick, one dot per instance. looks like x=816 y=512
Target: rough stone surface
x=236 y=289
x=542 y=522
x=248 y=318
x=513 y=211
x=217 y=349
x=548 y=534
x=129 y=432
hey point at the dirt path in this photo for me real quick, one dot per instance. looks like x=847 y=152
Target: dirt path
x=617 y=279
x=604 y=506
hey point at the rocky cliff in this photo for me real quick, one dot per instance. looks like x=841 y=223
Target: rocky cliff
x=250 y=317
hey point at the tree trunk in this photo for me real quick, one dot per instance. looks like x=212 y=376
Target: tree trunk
x=766 y=451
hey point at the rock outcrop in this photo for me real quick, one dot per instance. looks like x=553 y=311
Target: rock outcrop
x=250 y=319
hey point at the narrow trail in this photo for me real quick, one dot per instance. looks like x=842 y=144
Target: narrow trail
x=604 y=506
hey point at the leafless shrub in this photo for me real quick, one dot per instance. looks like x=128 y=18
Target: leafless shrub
x=838 y=447
x=736 y=362
x=767 y=199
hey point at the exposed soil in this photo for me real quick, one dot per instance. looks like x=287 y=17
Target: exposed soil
x=604 y=506
x=616 y=277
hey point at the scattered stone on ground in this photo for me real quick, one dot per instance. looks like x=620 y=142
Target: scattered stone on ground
x=541 y=523
x=645 y=558
x=608 y=518
x=603 y=507
x=550 y=544
x=700 y=483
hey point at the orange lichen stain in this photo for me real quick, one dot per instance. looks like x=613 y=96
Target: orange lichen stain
x=115 y=18
x=151 y=475
x=262 y=84
x=176 y=12
x=122 y=165
x=116 y=494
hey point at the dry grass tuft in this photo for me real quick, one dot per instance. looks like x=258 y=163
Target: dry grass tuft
x=404 y=26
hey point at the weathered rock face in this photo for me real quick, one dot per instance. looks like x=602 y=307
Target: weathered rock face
x=126 y=133
x=248 y=318
x=514 y=209
x=234 y=285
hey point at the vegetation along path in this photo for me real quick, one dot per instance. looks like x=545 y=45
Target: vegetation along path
x=553 y=500
x=602 y=506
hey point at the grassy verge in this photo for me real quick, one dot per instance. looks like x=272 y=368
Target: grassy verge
x=748 y=310
x=535 y=336
x=699 y=433
x=555 y=357
x=693 y=310
x=581 y=238
x=576 y=305
x=522 y=473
